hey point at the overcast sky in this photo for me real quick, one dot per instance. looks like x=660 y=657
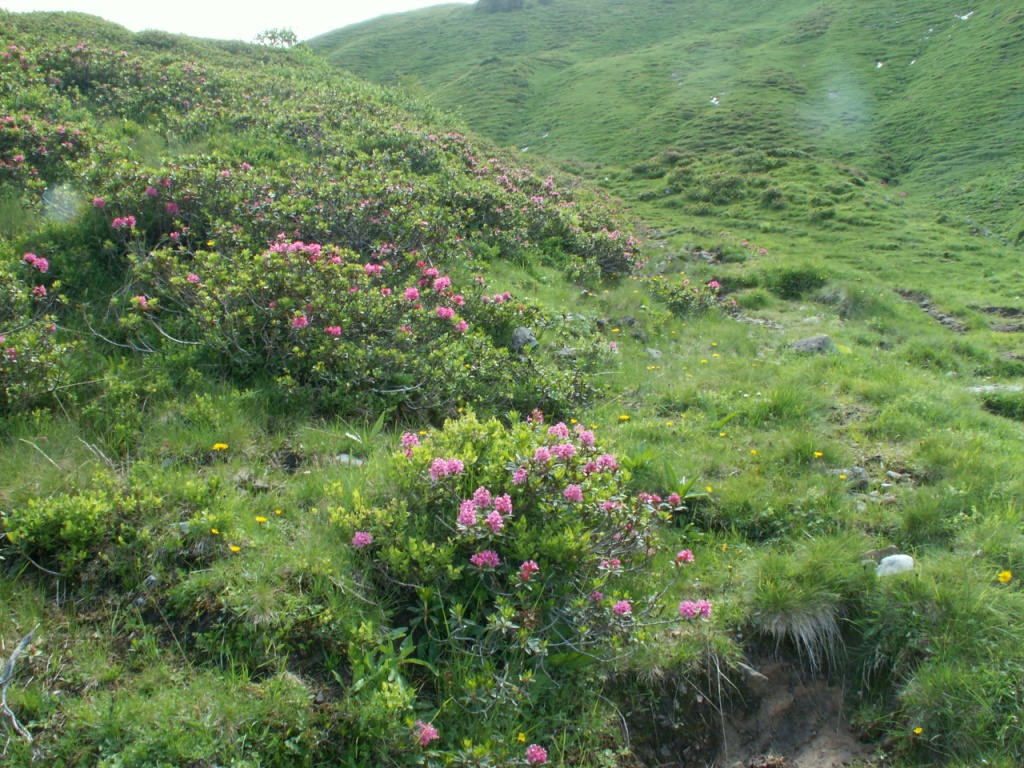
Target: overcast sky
x=228 y=19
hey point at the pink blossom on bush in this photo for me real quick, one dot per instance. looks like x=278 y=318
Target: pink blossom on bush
x=410 y=440
x=589 y=468
x=674 y=499
x=585 y=436
x=455 y=466
x=300 y=322
x=542 y=455
x=411 y=294
x=39 y=291
x=495 y=521
x=520 y=476
x=98 y=202
x=613 y=346
x=142 y=301
x=564 y=451
x=482 y=497
x=685 y=556
x=361 y=539
x=704 y=608
x=462 y=326
x=425 y=733
x=611 y=565
x=445 y=313
x=713 y=284
x=373 y=269
x=488 y=558
x=559 y=430
x=503 y=504
x=536 y=755
x=442 y=283
x=152 y=191
x=527 y=569
x=192 y=278
x=467 y=513
x=123 y=222
x=171 y=208
x=687 y=609
x=622 y=608
x=596 y=596
x=573 y=493
x=333 y=330
x=607 y=461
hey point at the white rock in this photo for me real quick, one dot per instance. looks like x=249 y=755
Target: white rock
x=895 y=564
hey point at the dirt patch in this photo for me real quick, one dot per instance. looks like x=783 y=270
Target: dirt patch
x=925 y=303
x=1008 y=327
x=1002 y=311
x=796 y=723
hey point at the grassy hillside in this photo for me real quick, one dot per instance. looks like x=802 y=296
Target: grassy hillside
x=924 y=95
x=283 y=482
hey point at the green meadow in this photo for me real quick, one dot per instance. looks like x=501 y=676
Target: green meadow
x=284 y=482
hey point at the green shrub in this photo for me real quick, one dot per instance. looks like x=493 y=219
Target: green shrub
x=683 y=298
x=793 y=282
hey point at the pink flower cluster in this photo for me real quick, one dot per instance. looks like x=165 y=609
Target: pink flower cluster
x=127 y=222
x=520 y=476
x=300 y=322
x=482 y=499
x=689 y=609
x=527 y=569
x=443 y=467
x=488 y=558
x=333 y=330
x=536 y=755
x=425 y=733
x=685 y=556
x=573 y=493
x=362 y=539
x=37 y=262
x=622 y=608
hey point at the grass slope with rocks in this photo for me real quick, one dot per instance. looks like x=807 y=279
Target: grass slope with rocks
x=278 y=490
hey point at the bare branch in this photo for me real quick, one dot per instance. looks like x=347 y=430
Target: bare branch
x=5 y=682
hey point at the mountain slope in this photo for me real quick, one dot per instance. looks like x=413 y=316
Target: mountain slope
x=923 y=94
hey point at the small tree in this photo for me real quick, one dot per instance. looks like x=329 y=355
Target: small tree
x=277 y=38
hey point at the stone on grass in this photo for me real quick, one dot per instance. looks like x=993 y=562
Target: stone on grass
x=819 y=344
x=895 y=564
x=521 y=339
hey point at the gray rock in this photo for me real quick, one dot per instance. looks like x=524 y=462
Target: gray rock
x=858 y=478
x=522 y=338
x=756 y=682
x=991 y=389
x=348 y=461
x=894 y=564
x=654 y=353
x=819 y=344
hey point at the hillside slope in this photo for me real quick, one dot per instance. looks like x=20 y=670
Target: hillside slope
x=925 y=94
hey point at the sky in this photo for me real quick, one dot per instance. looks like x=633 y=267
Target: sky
x=228 y=19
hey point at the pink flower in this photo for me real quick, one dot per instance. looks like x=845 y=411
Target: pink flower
x=193 y=278
x=225 y=174
x=445 y=313
x=482 y=497
x=573 y=493
x=425 y=733
x=596 y=596
x=611 y=565
x=361 y=539
x=564 y=451
x=333 y=330
x=246 y=167
x=152 y=191
x=713 y=284
x=486 y=559
x=688 y=609
x=590 y=468
x=467 y=513
x=300 y=322
x=704 y=608
x=527 y=569
x=536 y=755
x=410 y=440
x=171 y=208
x=37 y=261
x=542 y=455
x=685 y=556
x=519 y=476
x=39 y=291
x=175 y=236
x=559 y=430
x=122 y=223
x=98 y=202
x=462 y=326
x=495 y=521
x=503 y=504
x=442 y=283
x=142 y=301
x=586 y=437
x=613 y=346
x=622 y=608
x=607 y=461
x=674 y=499
x=373 y=269
x=411 y=294
x=455 y=466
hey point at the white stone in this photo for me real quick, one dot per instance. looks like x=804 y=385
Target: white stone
x=895 y=564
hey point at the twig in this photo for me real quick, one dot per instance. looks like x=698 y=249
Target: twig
x=29 y=442
x=97 y=452
x=5 y=682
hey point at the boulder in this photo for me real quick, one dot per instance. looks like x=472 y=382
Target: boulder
x=895 y=564
x=819 y=344
x=521 y=339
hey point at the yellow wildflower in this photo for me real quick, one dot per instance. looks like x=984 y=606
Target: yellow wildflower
x=1005 y=576
x=624 y=417
x=220 y=446
x=235 y=548
x=818 y=454
x=214 y=531
x=918 y=731
x=260 y=519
